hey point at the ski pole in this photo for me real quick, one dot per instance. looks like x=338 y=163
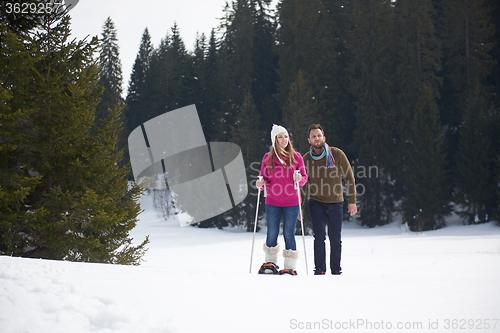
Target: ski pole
x=301 y=217
x=255 y=223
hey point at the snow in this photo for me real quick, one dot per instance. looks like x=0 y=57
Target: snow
x=197 y=280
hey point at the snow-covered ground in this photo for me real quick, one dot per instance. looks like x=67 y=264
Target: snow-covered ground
x=197 y=280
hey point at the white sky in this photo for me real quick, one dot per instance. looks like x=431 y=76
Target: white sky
x=131 y=17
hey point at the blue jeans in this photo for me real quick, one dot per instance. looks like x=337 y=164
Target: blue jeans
x=273 y=217
x=326 y=215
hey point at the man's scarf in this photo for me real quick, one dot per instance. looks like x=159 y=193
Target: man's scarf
x=330 y=163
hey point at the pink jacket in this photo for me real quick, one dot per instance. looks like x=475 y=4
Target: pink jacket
x=279 y=184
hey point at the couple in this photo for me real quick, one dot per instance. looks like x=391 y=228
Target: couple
x=325 y=204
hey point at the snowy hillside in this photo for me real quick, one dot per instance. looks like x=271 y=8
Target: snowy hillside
x=197 y=280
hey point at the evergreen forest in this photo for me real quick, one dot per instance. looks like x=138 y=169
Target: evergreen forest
x=408 y=89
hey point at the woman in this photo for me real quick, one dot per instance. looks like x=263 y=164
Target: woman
x=277 y=170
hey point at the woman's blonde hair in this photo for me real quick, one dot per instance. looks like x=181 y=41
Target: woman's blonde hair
x=287 y=154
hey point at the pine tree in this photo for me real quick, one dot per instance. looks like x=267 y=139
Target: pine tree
x=475 y=162
x=135 y=108
x=247 y=135
x=299 y=112
x=467 y=44
x=468 y=41
x=497 y=208
x=494 y=78
x=309 y=39
x=418 y=59
x=237 y=47
x=213 y=89
x=197 y=76
x=110 y=71
x=298 y=44
x=163 y=86
x=235 y=62
x=494 y=133
x=192 y=90
x=265 y=63
x=336 y=101
x=16 y=70
x=419 y=49
x=81 y=209
x=371 y=71
x=178 y=68
x=425 y=202
x=135 y=95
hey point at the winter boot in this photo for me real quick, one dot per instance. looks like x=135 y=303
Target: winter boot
x=270 y=266
x=291 y=257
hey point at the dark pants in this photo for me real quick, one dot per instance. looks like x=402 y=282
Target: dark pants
x=323 y=215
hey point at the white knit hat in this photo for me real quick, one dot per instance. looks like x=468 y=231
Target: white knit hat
x=277 y=129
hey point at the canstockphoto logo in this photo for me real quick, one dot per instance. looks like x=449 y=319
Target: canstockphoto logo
x=205 y=180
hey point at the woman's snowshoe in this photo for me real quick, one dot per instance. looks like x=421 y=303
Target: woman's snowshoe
x=287 y=272
x=269 y=268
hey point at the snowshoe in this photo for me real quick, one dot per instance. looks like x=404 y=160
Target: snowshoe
x=288 y=272
x=319 y=271
x=269 y=268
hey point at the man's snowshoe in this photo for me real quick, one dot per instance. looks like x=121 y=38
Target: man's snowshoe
x=319 y=271
x=288 y=272
x=269 y=268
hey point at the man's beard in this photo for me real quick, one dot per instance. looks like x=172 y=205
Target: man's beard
x=318 y=145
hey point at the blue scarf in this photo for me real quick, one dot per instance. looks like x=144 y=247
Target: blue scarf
x=330 y=163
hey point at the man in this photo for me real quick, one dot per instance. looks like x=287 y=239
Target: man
x=325 y=167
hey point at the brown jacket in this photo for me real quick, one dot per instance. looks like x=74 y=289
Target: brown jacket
x=325 y=185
